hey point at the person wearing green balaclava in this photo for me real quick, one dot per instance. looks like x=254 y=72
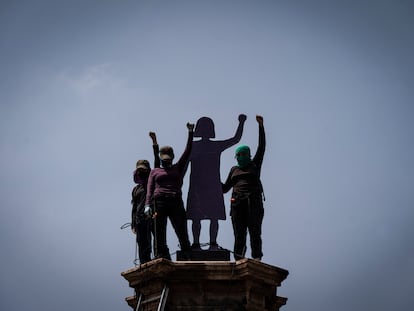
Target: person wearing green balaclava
x=247 y=197
x=243 y=156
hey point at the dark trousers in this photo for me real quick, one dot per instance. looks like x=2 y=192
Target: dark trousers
x=143 y=232
x=247 y=214
x=172 y=208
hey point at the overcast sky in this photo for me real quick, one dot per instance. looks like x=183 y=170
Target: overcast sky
x=83 y=82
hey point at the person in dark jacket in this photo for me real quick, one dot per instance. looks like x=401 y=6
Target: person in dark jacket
x=164 y=190
x=246 y=208
x=140 y=224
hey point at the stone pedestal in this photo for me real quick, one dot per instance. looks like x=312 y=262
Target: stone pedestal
x=208 y=285
x=206 y=255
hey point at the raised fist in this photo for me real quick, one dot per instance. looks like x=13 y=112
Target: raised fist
x=242 y=117
x=259 y=119
x=190 y=126
x=153 y=137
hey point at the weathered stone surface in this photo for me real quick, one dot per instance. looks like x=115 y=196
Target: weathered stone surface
x=206 y=255
x=208 y=285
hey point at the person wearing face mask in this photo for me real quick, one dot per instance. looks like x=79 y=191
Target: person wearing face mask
x=140 y=224
x=164 y=190
x=246 y=208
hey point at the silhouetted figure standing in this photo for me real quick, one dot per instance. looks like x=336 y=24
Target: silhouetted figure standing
x=205 y=195
x=164 y=190
x=140 y=224
x=247 y=197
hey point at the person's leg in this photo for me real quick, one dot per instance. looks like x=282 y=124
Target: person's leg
x=178 y=220
x=239 y=221
x=144 y=241
x=213 y=233
x=255 y=220
x=196 y=228
x=160 y=229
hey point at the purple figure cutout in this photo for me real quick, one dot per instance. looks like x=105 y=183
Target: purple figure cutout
x=205 y=194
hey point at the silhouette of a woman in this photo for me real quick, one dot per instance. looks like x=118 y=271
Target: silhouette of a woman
x=205 y=195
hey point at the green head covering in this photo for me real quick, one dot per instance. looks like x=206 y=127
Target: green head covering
x=243 y=156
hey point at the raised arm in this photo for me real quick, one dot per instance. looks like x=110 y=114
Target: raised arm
x=156 y=149
x=182 y=162
x=237 y=136
x=258 y=157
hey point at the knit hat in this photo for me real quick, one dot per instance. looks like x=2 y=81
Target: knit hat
x=144 y=164
x=166 y=153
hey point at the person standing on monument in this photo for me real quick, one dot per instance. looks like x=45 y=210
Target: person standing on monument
x=246 y=208
x=164 y=190
x=140 y=224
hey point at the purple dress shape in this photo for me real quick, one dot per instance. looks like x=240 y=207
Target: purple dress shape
x=205 y=195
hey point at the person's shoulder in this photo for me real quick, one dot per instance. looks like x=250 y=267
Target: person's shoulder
x=157 y=170
x=137 y=189
x=139 y=184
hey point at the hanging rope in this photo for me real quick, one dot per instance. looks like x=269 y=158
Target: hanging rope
x=125 y=225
